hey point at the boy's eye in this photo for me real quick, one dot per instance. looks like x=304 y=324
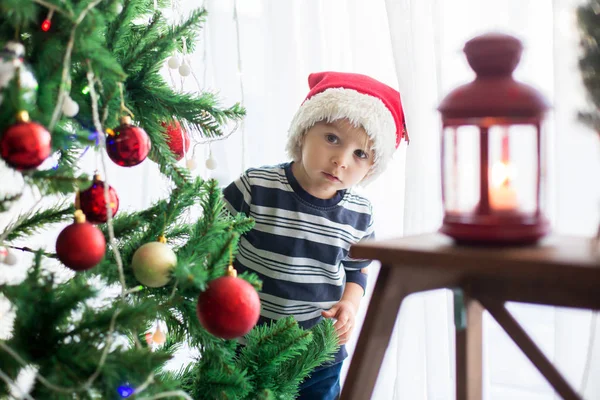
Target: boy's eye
x=361 y=154
x=331 y=138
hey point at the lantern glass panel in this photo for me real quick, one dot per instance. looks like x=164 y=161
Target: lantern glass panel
x=461 y=168
x=512 y=168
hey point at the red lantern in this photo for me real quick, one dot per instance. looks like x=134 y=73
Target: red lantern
x=491 y=150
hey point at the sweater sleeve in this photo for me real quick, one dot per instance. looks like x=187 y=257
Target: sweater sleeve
x=354 y=266
x=237 y=196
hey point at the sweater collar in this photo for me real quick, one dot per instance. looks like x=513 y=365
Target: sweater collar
x=304 y=195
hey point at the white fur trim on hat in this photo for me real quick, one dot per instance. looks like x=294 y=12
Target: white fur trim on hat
x=361 y=109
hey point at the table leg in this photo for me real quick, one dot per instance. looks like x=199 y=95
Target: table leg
x=390 y=289
x=469 y=379
x=527 y=345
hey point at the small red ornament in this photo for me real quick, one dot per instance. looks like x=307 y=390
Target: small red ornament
x=81 y=245
x=92 y=203
x=177 y=139
x=229 y=307
x=25 y=145
x=128 y=145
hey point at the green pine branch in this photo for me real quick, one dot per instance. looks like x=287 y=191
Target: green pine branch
x=35 y=220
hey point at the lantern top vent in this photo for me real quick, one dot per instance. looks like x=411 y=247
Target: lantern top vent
x=494 y=92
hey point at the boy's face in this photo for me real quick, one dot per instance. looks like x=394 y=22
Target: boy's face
x=335 y=156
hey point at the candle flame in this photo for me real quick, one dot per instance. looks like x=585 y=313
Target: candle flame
x=502 y=174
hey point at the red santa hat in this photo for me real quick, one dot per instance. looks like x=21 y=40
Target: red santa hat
x=364 y=101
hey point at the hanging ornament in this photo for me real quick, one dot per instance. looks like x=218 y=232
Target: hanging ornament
x=127 y=145
x=7 y=257
x=184 y=69
x=229 y=307
x=81 y=245
x=25 y=145
x=159 y=337
x=191 y=164
x=70 y=108
x=174 y=62
x=118 y=8
x=152 y=263
x=91 y=201
x=211 y=163
x=11 y=63
x=177 y=139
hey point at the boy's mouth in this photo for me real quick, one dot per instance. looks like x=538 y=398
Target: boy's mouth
x=331 y=177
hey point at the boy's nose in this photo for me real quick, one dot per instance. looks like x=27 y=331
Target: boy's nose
x=340 y=160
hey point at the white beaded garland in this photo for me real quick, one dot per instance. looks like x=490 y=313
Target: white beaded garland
x=70 y=108
x=211 y=163
x=185 y=70
x=174 y=62
x=190 y=164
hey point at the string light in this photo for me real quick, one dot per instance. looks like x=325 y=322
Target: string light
x=47 y=24
x=125 y=391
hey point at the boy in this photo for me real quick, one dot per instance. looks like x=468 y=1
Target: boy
x=307 y=215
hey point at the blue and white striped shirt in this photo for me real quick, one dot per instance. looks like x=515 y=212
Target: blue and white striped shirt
x=299 y=244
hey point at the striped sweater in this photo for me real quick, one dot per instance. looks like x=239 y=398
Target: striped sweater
x=299 y=244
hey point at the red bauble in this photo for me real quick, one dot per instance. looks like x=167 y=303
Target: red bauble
x=93 y=205
x=81 y=245
x=25 y=145
x=177 y=139
x=129 y=145
x=229 y=307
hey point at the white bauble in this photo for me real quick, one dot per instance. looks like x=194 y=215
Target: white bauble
x=118 y=8
x=11 y=258
x=185 y=70
x=174 y=62
x=152 y=264
x=11 y=61
x=191 y=164
x=70 y=108
x=7 y=257
x=211 y=163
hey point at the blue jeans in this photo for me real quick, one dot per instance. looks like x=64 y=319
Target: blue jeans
x=323 y=384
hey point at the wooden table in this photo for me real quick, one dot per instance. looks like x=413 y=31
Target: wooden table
x=559 y=271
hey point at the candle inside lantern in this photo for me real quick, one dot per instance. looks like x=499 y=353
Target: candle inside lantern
x=503 y=195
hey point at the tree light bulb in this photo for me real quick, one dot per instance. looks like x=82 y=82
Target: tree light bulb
x=125 y=391
x=47 y=24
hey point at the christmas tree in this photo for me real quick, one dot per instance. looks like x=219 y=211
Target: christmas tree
x=79 y=75
x=588 y=18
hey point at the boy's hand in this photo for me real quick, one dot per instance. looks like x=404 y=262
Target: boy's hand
x=345 y=313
